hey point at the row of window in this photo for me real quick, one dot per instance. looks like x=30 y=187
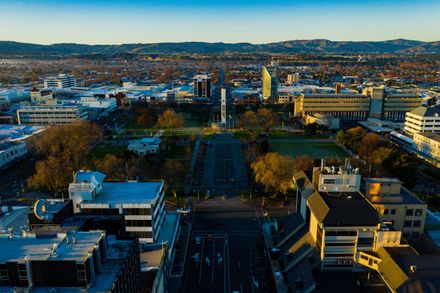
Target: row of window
x=409 y=224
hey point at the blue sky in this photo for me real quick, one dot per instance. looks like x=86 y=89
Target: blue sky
x=256 y=21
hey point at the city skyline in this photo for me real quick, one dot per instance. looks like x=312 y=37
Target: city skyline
x=110 y=22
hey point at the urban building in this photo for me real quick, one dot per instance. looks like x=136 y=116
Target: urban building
x=141 y=203
x=423 y=119
x=345 y=106
x=403 y=269
x=293 y=78
x=323 y=119
x=51 y=114
x=145 y=146
x=70 y=262
x=11 y=152
x=269 y=83
x=40 y=96
x=202 y=87
x=60 y=82
x=428 y=144
x=397 y=206
x=371 y=103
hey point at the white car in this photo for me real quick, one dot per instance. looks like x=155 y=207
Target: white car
x=196 y=257
x=197 y=240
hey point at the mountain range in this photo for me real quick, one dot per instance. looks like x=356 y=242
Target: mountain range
x=319 y=46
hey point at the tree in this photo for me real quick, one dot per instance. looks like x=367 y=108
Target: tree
x=248 y=120
x=170 y=120
x=61 y=150
x=303 y=163
x=145 y=117
x=274 y=171
x=369 y=143
x=267 y=118
x=174 y=174
x=112 y=166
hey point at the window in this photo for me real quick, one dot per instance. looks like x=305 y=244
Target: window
x=393 y=211
x=409 y=212
x=419 y=212
x=407 y=224
x=417 y=223
x=386 y=211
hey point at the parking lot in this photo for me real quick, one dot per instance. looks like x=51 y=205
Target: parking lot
x=226 y=253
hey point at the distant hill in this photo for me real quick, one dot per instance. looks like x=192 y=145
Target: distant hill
x=323 y=46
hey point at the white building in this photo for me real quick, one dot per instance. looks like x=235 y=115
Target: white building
x=60 y=82
x=423 y=119
x=51 y=114
x=10 y=152
x=141 y=203
x=40 y=95
x=145 y=146
x=428 y=144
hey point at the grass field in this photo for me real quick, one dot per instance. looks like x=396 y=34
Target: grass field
x=315 y=150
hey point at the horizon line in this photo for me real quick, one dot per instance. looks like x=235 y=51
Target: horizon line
x=214 y=42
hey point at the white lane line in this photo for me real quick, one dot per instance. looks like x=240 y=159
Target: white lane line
x=213 y=260
x=258 y=217
x=224 y=267
x=229 y=272
x=201 y=260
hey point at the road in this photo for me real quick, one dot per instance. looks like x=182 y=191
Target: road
x=224 y=172
x=237 y=241
x=13 y=179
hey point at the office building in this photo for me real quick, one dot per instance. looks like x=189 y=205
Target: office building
x=345 y=106
x=11 y=152
x=141 y=203
x=371 y=103
x=403 y=269
x=397 y=206
x=293 y=78
x=269 y=83
x=202 y=87
x=70 y=262
x=51 y=114
x=40 y=96
x=428 y=144
x=423 y=119
x=60 y=82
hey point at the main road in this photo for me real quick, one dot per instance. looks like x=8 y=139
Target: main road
x=226 y=236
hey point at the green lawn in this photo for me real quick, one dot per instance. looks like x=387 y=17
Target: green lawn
x=316 y=150
x=192 y=122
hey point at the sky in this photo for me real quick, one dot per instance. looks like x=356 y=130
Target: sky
x=255 y=21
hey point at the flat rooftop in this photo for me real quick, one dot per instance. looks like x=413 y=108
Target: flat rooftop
x=431 y=135
x=343 y=209
x=41 y=248
x=130 y=192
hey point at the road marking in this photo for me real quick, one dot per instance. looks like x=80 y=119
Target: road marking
x=201 y=260
x=258 y=217
x=213 y=260
x=229 y=272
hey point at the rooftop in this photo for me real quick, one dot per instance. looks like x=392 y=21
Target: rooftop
x=343 y=209
x=130 y=192
x=427 y=112
x=61 y=247
x=430 y=135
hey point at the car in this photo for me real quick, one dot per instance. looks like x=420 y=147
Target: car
x=209 y=238
x=197 y=240
x=184 y=211
x=196 y=257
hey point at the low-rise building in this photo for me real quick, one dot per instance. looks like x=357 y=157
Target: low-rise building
x=51 y=114
x=145 y=146
x=323 y=119
x=60 y=82
x=41 y=95
x=423 y=119
x=70 y=262
x=141 y=203
x=397 y=206
x=428 y=144
x=11 y=152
